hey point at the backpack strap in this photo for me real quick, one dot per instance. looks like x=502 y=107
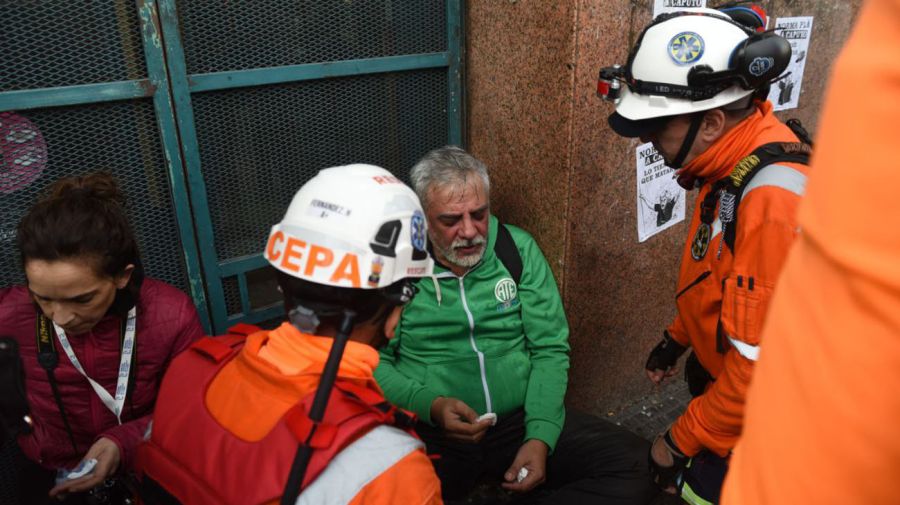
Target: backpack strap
x=218 y=349
x=352 y=412
x=506 y=250
x=244 y=329
x=758 y=169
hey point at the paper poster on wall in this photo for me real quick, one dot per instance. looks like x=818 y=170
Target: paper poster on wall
x=660 y=200
x=785 y=94
x=662 y=6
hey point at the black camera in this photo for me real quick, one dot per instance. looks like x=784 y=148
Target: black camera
x=14 y=419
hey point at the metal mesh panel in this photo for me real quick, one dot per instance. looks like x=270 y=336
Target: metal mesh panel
x=118 y=137
x=46 y=44
x=271 y=324
x=221 y=36
x=232 y=294
x=259 y=145
x=262 y=288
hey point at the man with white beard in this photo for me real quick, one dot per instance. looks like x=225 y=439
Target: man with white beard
x=481 y=356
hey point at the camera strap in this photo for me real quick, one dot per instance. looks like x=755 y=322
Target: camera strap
x=48 y=359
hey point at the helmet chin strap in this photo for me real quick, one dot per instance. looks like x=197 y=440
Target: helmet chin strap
x=696 y=121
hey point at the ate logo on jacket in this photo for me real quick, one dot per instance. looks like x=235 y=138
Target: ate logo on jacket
x=505 y=291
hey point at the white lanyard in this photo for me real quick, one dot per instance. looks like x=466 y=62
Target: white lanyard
x=114 y=405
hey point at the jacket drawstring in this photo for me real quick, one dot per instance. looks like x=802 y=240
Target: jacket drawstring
x=437 y=289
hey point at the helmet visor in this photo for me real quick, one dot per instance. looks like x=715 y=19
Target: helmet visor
x=636 y=127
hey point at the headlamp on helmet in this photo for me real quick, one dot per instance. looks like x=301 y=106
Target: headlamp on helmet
x=609 y=84
x=691 y=61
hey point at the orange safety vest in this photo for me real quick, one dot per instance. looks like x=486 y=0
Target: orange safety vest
x=722 y=294
x=822 y=412
x=191 y=457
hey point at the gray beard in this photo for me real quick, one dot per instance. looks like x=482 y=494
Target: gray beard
x=461 y=261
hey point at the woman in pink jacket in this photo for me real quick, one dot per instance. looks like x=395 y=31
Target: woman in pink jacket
x=94 y=336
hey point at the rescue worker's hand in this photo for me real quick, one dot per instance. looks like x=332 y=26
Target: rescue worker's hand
x=106 y=452
x=661 y=362
x=666 y=462
x=533 y=457
x=391 y=323
x=458 y=420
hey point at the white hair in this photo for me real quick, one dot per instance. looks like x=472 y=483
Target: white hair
x=443 y=166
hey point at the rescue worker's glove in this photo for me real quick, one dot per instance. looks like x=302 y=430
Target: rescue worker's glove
x=664 y=476
x=665 y=354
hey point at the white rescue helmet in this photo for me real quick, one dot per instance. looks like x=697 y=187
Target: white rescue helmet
x=667 y=53
x=353 y=226
x=691 y=61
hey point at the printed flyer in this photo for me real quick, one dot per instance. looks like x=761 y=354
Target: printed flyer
x=660 y=200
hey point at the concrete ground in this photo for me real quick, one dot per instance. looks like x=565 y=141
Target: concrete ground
x=647 y=416
x=651 y=415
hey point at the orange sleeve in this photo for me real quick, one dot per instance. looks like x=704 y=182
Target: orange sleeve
x=825 y=400
x=677 y=331
x=714 y=420
x=411 y=481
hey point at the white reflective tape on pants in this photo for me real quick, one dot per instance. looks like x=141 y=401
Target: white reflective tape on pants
x=748 y=351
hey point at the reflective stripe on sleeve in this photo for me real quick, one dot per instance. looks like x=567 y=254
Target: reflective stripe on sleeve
x=748 y=351
x=779 y=176
x=357 y=465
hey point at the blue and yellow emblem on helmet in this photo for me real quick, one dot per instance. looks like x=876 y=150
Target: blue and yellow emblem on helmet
x=686 y=47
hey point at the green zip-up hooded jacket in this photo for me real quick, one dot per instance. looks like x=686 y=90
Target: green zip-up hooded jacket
x=480 y=338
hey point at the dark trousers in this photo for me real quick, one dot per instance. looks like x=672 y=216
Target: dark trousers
x=704 y=476
x=595 y=462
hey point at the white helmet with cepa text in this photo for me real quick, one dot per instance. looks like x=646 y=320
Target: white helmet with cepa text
x=354 y=226
x=692 y=61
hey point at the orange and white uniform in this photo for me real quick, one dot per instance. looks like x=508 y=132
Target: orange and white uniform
x=722 y=297
x=276 y=368
x=228 y=438
x=822 y=413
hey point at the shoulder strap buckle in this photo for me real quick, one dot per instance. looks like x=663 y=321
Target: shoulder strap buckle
x=317 y=435
x=244 y=329
x=212 y=349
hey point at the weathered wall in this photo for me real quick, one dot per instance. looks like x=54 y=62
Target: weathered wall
x=559 y=172
x=520 y=60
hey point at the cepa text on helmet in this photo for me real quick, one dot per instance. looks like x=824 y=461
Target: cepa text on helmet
x=312 y=262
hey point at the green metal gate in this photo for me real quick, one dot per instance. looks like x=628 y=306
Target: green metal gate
x=213 y=113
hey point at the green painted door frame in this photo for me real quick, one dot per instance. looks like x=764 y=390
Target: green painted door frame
x=171 y=88
x=184 y=85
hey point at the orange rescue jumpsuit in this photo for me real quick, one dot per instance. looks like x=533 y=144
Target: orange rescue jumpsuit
x=715 y=287
x=822 y=414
